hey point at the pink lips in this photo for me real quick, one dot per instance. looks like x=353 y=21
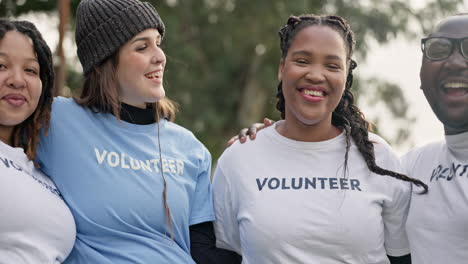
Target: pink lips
x=15 y=99
x=310 y=96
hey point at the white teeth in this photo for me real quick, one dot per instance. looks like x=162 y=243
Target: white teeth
x=153 y=75
x=455 y=85
x=313 y=93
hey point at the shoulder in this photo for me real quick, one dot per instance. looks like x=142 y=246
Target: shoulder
x=381 y=148
x=179 y=130
x=419 y=155
x=386 y=158
x=378 y=141
x=249 y=151
x=427 y=149
x=8 y=153
x=63 y=102
x=184 y=138
x=63 y=106
x=230 y=153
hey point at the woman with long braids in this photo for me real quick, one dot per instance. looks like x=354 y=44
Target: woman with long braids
x=316 y=187
x=35 y=224
x=137 y=184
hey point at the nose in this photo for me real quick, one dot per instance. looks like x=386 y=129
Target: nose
x=16 y=80
x=315 y=75
x=456 y=61
x=158 y=56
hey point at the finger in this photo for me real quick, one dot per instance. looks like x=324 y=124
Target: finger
x=231 y=141
x=268 y=122
x=253 y=130
x=242 y=136
x=243 y=139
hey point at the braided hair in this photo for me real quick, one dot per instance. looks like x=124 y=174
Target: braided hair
x=26 y=134
x=346 y=115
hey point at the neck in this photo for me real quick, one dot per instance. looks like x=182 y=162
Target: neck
x=299 y=131
x=137 y=105
x=454 y=131
x=6 y=133
x=136 y=115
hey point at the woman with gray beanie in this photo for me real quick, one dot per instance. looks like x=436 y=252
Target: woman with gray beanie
x=137 y=184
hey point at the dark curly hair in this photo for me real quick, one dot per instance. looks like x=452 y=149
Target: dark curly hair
x=26 y=134
x=346 y=115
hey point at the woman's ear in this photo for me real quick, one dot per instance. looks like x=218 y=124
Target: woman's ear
x=280 y=70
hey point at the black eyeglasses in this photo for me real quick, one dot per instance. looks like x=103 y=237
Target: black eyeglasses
x=440 y=48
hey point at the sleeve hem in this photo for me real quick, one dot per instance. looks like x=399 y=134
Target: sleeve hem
x=397 y=252
x=202 y=219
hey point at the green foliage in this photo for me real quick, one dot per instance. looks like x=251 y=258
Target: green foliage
x=19 y=7
x=223 y=55
x=16 y=8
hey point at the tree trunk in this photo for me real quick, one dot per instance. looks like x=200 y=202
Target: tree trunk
x=254 y=97
x=61 y=69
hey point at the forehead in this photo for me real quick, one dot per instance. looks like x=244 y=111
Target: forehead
x=17 y=45
x=323 y=37
x=452 y=27
x=16 y=39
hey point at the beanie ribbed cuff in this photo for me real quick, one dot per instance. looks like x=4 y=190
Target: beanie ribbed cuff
x=98 y=41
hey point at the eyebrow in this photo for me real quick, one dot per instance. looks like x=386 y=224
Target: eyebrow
x=301 y=52
x=3 y=54
x=307 y=53
x=145 y=39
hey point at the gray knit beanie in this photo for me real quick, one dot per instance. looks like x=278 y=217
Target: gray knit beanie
x=103 y=26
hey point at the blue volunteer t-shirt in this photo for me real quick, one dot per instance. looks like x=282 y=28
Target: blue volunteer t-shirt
x=108 y=172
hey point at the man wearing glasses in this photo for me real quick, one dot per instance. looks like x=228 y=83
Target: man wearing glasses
x=437 y=223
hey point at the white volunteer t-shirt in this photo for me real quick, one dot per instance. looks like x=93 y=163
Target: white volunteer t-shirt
x=282 y=201
x=36 y=227
x=438 y=221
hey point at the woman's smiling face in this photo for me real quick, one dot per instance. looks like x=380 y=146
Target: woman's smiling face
x=20 y=83
x=313 y=75
x=140 y=69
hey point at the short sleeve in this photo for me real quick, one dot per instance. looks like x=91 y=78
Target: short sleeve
x=408 y=161
x=226 y=225
x=202 y=205
x=43 y=152
x=395 y=210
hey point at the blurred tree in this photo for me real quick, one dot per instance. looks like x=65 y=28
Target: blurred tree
x=19 y=7
x=61 y=69
x=223 y=54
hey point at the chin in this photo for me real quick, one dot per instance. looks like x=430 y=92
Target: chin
x=13 y=121
x=310 y=120
x=157 y=96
